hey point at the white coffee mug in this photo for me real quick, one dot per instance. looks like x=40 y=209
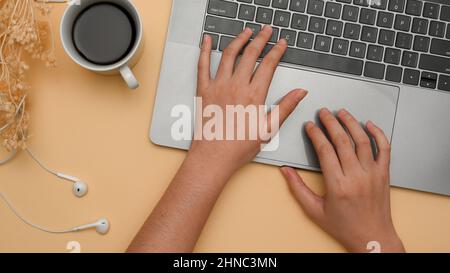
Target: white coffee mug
x=121 y=67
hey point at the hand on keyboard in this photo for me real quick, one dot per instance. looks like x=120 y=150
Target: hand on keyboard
x=356 y=207
x=240 y=85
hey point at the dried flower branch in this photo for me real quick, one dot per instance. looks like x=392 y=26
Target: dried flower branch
x=24 y=30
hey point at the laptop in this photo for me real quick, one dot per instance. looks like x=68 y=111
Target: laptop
x=384 y=60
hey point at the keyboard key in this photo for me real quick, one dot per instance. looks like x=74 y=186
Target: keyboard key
x=352 y=31
x=363 y=3
x=385 y=19
x=323 y=61
x=448 y=32
x=387 y=37
x=224 y=26
x=315 y=7
x=396 y=5
x=305 y=40
x=247 y=12
x=299 y=21
x=357 y=50
x=411 y=76
x=431 y=10
x=224 y=42
x=421 y=43
x=333 y=10
x=410 y=59
x=340 y=47
x=444 y=83
x=414 y=7
x=380 y=4
x=254 y=27
x=275 y=32
x=350 y=13
x=298 y=5
x=369 y=34
x=420 y=26
x=440 y=47
x=316 y=24
x=334 y=28
x=280 y=4
x=394 y=73
x=264 y=16
x=375 y=53
x=289 y=36
x=223 y=8
x=392 y=56
x=367 y=16
x=402 y=22
x=445 y=13
x=345 y=1
x=282 y=18
x=434 y=63
x=263 y=2
x=428 y=80
x=323 y=43
x=214 y=38
x=437 y=29
x=374 y=70
x=404 y=40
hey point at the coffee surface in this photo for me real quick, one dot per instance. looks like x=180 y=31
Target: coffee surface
x=104 y=33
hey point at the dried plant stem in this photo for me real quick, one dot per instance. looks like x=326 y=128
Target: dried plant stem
x=24 y=30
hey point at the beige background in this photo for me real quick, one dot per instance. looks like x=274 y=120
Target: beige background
x=93 y=127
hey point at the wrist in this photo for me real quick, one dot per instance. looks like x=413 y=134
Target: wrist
x=383 y=243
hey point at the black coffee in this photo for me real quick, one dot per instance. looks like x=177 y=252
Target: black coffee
x=104 y=33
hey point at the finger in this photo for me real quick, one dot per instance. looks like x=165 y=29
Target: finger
x=264 y=74
x=253 y=51
x=230 y=54
x=204 y=62
x=328 y=159
x=311 y=203
x=340 y=140
x=359 y=136
x=286 y=106
x=383 y=146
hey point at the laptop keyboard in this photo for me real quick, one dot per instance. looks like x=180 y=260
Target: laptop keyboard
x=398 y=41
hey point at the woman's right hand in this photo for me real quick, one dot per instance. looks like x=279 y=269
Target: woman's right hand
x=356 y=207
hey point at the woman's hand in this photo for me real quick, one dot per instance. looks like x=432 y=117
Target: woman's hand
x=176 y=222
x=356 y=207
x=239 y=84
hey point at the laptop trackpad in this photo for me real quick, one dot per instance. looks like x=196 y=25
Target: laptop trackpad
x=365 y=100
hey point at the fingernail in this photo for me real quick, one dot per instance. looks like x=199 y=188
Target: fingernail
x=370 y=123
x=300 y=93
x=282 y=42
x=309 y=124
x=248 y=30
x=205 y=38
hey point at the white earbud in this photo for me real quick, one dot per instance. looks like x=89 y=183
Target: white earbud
x=101 y=226
x=79 y=188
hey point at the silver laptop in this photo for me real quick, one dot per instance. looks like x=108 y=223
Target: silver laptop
x=384 y=60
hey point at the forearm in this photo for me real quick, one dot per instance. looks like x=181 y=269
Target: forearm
x=178 y=219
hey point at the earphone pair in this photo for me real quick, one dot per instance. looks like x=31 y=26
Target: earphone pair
x=79 y=188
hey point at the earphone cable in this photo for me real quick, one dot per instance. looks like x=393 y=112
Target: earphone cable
x=35 y=159
x=28 y=222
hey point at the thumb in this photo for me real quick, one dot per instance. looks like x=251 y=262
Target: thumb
x=285 y=107
x=311 y=203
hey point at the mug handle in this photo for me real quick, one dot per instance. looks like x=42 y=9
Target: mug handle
x=129 y=77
